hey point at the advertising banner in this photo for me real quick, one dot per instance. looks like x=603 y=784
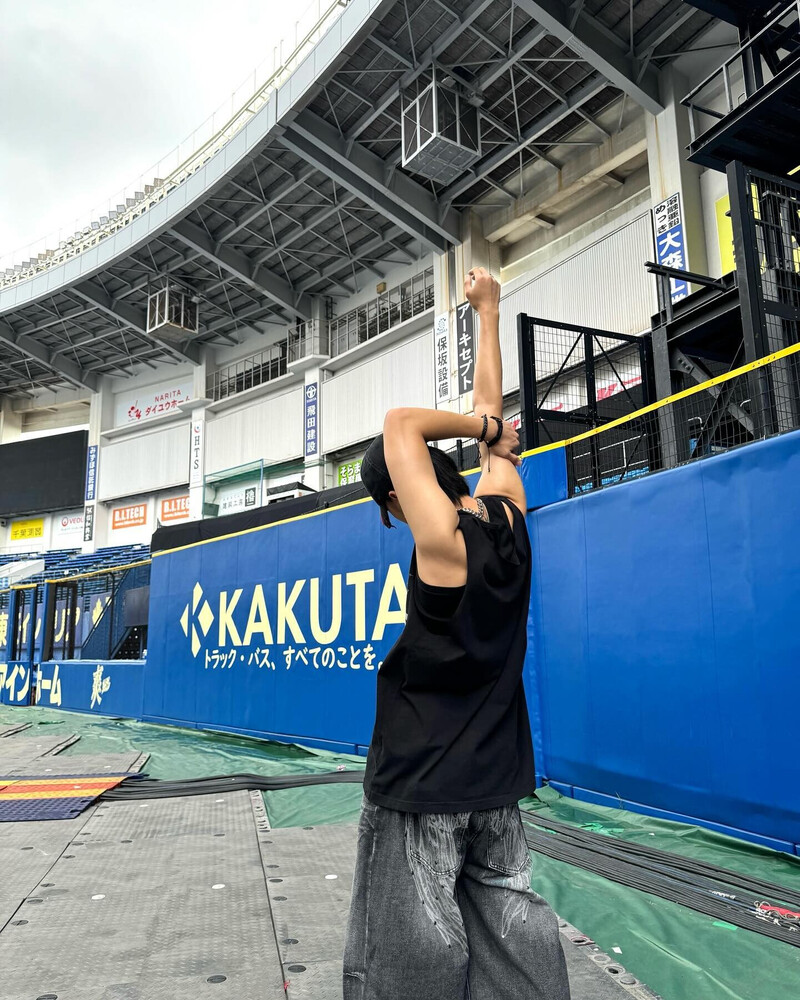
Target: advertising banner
x=349 y=472
x=113 y=688
x=196 y=453
x=280 y=630
x=67 y=529
x=311 y=420
x=670 y=245
x=129 y=517
x=237 y=499
x=465 y=347
x=140 y=404
x=88 y=522
x=27 y=530
x=15 y=683
x=91 y=473
x=174 y=509
x=441 y=351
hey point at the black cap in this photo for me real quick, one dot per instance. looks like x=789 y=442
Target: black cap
x=375 y=476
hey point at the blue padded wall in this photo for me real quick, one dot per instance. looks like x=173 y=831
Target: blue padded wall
x=315 y=690
x=664 y=646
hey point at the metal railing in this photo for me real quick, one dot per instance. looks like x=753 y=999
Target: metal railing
x=108 y=628
x=181 y=163
x=255 y=369
x=746 y=69
x=380 y=314
x=270 y=363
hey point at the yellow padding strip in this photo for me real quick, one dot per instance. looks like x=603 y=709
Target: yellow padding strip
x=99 y=572
x=262 y=527
x=525 y=454
x=702 y=387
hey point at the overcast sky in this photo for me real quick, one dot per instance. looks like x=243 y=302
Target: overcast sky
x=92 y=92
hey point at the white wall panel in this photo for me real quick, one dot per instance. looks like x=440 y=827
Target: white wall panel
x=603 y=285
x=145 y=462
x=355 y=401
x=271 y=428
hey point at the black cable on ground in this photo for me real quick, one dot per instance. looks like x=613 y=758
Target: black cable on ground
x=141 y=787
x=701 y=869
x=659 y=885
x=696 y=884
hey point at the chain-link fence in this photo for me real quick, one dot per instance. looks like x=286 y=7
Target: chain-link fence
x=751 y=403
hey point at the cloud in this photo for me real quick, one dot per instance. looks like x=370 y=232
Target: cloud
x=93 y=93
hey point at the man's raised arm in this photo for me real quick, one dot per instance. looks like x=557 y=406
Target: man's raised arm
x=500 y=477
x=483 y=294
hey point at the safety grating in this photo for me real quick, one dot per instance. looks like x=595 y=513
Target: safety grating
x=84 y=764
x=161 y=899
x=310 y=876
x=17 y=751
x=27 y=853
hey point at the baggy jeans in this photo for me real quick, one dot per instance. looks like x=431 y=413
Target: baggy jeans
x=442 y=909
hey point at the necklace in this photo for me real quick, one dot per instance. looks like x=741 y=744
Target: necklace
x=480 y=513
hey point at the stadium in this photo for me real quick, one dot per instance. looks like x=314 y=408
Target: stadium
x=197 y=594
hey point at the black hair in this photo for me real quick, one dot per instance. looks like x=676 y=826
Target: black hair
x=450 y=480
x=375 y=476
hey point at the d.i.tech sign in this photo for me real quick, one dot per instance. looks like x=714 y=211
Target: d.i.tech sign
x=279 y=631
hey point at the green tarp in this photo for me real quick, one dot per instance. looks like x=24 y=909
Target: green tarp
x=682 y=954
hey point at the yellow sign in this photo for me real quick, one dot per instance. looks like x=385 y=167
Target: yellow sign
x=725 y=234
x=24 y=530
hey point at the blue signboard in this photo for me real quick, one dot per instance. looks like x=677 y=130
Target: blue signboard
x=670 y=244
x=15 y=683
x=311 y=421
x=91 y=472
x=109 y=688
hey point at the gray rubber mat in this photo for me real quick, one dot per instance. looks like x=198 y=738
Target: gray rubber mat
x=149 y=901
x=310 y=877
x=169 y=898
x=27 y=853
x=10 y=730
x=81 y=764
x=16 y=750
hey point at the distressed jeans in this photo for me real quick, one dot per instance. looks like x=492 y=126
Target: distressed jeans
x=442 y=909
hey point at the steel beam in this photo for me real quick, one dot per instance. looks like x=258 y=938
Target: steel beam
x=600 y=47
x=393 y=194
x=38 y=352
x=251 y=214
x=307 y=225
x=240 y=266
x=660 y=28
x=327 y=273
x=132 y=318
x=442 y=43
x=537 y=128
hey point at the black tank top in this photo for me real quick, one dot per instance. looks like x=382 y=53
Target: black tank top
x=452 y=732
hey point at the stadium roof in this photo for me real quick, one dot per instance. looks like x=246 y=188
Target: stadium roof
x=308 y=197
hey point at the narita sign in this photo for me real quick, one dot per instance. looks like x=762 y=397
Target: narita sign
x=295 y=612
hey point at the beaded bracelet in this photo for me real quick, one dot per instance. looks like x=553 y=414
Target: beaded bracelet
x=496 y=438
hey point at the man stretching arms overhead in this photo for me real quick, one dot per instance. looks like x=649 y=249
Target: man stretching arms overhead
x=442 y=907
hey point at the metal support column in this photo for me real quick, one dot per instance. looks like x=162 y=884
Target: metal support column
x=48 y=620
x=529 y=438
x=591 y=407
